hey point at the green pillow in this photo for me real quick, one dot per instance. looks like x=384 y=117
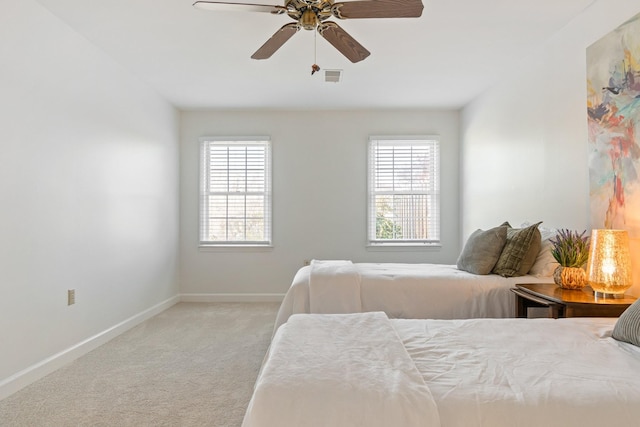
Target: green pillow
x=532 y=254
x=627 y=327
x=482 y=250
x=519 y=252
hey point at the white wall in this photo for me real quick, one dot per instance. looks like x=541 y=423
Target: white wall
x=524 y=142
x=319 y=191
x=88 y=191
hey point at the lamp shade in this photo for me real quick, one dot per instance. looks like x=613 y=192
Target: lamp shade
x=609 y=266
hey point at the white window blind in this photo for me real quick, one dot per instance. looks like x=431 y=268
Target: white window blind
x=404 y=190
x=235 y=191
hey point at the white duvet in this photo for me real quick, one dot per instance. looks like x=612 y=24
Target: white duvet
x=334 y=287
x=526 y=372
x=342 y=371
x=409 y=291
x=351 y=370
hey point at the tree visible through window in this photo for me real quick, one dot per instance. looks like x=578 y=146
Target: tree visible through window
x=404 y=190
x=235 y=191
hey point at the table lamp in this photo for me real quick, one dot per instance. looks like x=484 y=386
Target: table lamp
x=609 y=265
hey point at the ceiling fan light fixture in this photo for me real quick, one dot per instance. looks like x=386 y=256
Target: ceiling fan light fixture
x=332 y=76
x=309 y=20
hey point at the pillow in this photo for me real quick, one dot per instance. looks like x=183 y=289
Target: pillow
x=545 y=263
x=532 y=253
x=482 y=250
x=517 y=247
x=627 y=327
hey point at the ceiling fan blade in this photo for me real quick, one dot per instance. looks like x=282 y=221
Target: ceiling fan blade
x=342 y=41
x=239 y=7
x=276 y=41
x=378 y=9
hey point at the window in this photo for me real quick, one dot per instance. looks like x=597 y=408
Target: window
x=235 y=191
x=404 y=190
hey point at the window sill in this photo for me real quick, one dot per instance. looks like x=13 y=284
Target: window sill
x=408 y=247
x=235 y=248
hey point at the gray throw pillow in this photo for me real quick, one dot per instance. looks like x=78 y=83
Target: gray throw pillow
x=627 y=327
x=482 y=250
x=516 y=249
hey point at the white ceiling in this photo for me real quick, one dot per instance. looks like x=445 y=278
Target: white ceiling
x=201 y=59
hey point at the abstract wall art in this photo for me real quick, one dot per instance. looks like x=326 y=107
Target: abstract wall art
x=613 y=105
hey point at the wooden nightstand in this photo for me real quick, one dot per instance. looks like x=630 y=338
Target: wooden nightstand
x=567 y=302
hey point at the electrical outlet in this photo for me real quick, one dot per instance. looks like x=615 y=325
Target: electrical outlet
x=71 y=296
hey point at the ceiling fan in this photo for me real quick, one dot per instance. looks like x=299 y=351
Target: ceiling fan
x=313 y=14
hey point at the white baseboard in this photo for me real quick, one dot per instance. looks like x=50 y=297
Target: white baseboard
x=231 y=297
x=33 y=373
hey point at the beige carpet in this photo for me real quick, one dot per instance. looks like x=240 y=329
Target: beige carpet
x=192 y=365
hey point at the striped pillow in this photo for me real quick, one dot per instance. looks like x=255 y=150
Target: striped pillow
x=519 y=241
x=627 y=327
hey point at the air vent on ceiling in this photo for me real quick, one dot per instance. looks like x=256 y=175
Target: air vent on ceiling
x=333 y=76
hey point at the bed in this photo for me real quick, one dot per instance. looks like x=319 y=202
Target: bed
x=478 y=286
x=365 y=369
x=411 y=291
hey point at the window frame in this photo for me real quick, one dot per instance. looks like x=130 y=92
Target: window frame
x=204 y=144
x=372 y=241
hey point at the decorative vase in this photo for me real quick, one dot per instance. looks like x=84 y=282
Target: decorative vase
x=570 y=277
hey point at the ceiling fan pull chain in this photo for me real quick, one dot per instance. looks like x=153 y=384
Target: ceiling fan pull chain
x=315 y=67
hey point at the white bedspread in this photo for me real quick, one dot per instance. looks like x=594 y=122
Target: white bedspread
x=340 y=370
x=322 y=370
x=414 y=291
x=334 y=287
x=526 y=372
